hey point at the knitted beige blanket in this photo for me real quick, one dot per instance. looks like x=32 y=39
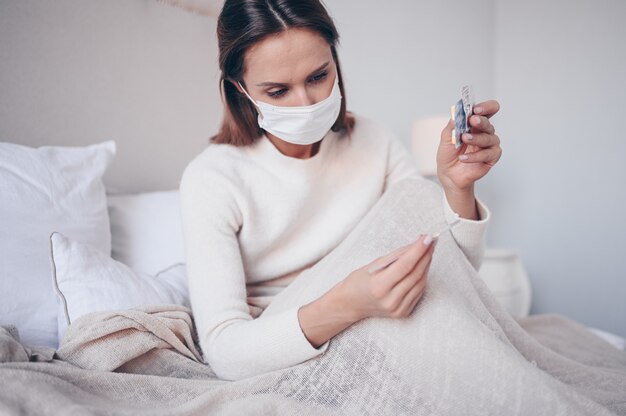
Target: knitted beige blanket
x=459 y=353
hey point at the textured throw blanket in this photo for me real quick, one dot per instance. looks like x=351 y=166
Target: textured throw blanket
x=459 y=353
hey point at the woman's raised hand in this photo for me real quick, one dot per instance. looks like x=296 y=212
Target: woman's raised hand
x=458 y=169
x=393 y=291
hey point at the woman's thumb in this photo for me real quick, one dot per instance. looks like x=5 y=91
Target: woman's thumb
x=446 y=134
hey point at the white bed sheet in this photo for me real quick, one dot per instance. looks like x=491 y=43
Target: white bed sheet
x=613 y=339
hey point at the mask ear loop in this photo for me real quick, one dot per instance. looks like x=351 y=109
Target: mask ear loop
x=247 y=95
x=250 y=98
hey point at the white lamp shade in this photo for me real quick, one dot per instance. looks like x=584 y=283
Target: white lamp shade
x=425 y=138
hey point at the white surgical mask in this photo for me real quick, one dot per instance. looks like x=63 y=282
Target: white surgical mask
x=303 y=124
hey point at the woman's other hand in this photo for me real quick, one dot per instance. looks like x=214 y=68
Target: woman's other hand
x=393 y=291
x=458 y=169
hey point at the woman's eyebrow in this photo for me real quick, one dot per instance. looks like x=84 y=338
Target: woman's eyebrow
x=282 y=84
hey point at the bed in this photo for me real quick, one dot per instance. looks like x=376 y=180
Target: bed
x=96 y=316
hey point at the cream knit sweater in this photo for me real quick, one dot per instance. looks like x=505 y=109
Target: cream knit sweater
x=254 y=218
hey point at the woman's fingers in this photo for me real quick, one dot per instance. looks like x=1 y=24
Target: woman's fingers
x=415 y=293
x=481 y=139
x=409 y=280
x=446 y=133
x=407 y=261
x=480 y=124
x=416 y=299
x=384 y=260
x=490 y=156
x=487 y=108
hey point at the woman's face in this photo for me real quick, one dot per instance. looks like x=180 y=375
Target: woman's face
x=292 y=68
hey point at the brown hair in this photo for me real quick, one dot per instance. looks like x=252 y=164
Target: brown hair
x=241 y=24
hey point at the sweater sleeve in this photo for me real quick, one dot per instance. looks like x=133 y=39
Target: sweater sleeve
x=234 y=344
x=468 y=234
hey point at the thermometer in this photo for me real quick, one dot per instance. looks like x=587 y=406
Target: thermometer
x=379 y=267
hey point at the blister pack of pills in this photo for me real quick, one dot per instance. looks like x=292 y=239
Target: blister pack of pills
x=460 y=113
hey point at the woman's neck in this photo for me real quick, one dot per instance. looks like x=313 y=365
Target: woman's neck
x=298 y=151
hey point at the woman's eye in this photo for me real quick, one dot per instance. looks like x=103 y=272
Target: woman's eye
x=315 y=79
x=319 y=77
x=277 y=93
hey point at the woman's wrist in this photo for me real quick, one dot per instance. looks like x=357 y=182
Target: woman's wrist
x=325 y=317
x=463 y=202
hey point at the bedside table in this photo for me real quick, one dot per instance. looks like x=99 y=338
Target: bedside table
x=503 y=272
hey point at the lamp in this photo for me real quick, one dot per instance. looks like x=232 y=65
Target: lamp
x=425 y=138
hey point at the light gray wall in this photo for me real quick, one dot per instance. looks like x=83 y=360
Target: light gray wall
x=136 y=71
x=405 y=59
x=559 y=191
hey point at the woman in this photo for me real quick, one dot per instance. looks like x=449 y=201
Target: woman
x=289 y=174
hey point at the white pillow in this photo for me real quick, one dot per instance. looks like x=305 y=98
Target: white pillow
x=146 y=230
x=88 y=280
x=41 y=190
